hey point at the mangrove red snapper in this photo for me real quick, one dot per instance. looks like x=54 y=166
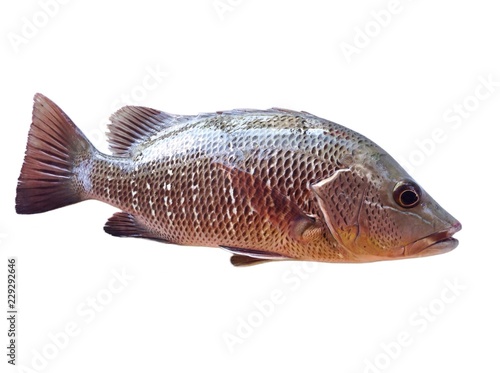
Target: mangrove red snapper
x=263 y=184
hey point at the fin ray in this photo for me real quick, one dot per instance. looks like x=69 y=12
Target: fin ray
x=132 y=125
x=123 y=224
x=245 y=257
x=45 y=182
x=245 y=261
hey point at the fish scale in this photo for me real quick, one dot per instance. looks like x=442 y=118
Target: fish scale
x=264 y=184
x=193 y=162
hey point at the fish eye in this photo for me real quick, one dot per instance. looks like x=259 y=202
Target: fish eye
x=406 y=194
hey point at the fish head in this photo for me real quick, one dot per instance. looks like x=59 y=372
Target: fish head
x=376 y=211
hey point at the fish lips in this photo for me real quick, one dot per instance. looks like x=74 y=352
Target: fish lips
x=437 y=243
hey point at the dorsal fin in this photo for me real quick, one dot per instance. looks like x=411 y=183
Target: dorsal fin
x=131 y=125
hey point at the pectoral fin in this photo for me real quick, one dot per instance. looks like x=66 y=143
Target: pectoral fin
x=273 y=206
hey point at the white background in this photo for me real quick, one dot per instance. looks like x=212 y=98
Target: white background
x=423 y=62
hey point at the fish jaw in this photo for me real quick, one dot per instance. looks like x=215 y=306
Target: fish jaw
x=437 y=243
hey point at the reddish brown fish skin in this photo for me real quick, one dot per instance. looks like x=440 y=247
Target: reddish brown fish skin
x=261 y=182
x=185 y=195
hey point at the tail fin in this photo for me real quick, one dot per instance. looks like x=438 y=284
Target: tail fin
x=47 y=180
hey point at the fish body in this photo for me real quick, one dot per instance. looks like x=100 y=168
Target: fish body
x=264 y=184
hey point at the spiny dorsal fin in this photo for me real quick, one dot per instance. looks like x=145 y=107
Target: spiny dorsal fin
x=132 y=125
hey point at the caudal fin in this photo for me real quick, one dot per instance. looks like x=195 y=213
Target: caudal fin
x=47 y=180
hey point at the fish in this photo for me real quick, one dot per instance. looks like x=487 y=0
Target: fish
x=265 y=185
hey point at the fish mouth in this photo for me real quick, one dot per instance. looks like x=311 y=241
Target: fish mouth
x=436 y=243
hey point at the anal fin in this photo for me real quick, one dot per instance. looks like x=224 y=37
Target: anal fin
x=123 y=224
